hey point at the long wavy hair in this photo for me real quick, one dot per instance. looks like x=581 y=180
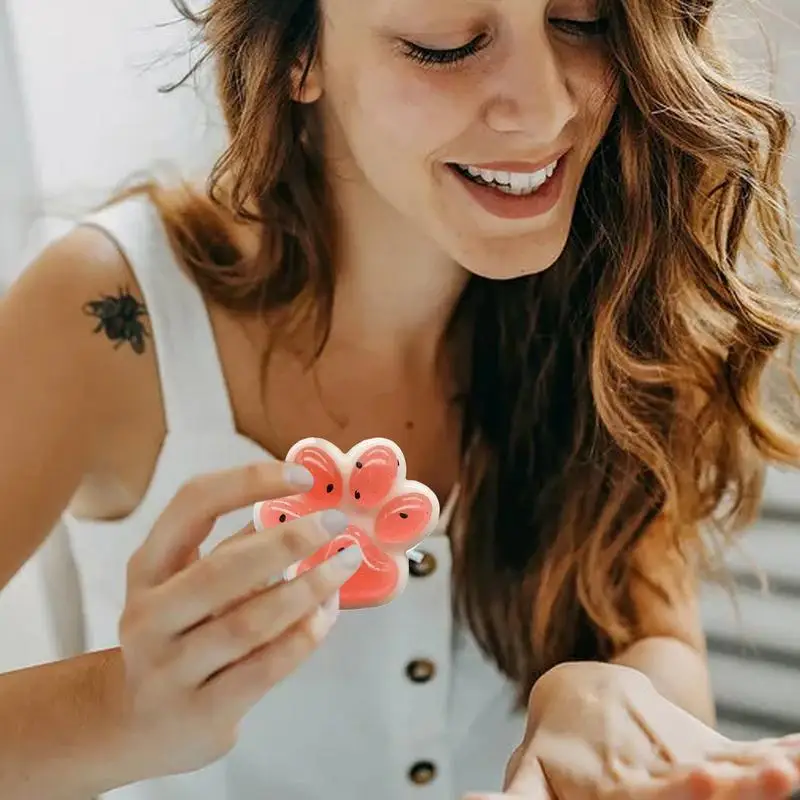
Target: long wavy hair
x=617 y=399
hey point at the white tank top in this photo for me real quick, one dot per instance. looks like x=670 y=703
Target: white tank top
x=397 y=704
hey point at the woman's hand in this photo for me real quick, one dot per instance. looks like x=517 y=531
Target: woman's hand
x=204 y=638
x=603 y=731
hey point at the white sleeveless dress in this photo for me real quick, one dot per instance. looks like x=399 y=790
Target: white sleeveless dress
x=398 y=703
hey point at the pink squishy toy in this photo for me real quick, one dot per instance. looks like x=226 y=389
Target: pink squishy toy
x=389 y=514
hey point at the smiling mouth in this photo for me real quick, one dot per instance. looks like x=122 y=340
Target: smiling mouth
x=516 y=184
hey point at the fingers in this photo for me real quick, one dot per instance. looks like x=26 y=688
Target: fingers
x=248 y=530
x=239 y=569
x=494 y=796
x=263 y=619
x=242 y=685
x=767 y=782
x=190 y=516
x=714 y=782
x=525 y=780
x=691 y=786
x=750 y=753
x=769 y=768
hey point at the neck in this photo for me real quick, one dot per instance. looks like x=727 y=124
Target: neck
x=396 y=290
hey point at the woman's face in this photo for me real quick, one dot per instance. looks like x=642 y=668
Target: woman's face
x=475 y=119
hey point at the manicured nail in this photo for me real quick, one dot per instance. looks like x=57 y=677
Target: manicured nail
x=298 y=476
x=349 y=558
x=323 y=621
x=333 y=521
x=331 y=605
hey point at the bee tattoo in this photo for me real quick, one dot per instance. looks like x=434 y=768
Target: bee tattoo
x=120 y=318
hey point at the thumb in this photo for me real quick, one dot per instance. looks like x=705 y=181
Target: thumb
x=527 y=783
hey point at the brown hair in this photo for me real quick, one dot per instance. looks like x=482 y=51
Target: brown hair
x=619 y=387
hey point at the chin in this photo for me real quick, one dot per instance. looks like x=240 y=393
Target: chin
x=508 y=258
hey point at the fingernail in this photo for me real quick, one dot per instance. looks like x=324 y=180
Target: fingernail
x=331 y=606
x=298 y=476
x=333 y=521
x=350 y=557
x=324 y=620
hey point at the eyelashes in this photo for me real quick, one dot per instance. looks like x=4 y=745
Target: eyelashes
x=429 y=57
x=450 y=57
x=587 y=29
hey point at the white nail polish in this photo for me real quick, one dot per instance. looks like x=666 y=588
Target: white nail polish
x=350 y=557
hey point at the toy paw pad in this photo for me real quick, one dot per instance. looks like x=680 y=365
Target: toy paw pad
x=389 y=514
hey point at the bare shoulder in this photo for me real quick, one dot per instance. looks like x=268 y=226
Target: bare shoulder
x=78 y=305
x=82 y=261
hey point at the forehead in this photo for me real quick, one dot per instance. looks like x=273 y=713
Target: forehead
x=378 y=11
x=441 y=12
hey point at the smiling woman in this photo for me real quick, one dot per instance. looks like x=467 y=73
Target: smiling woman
x=528 y=241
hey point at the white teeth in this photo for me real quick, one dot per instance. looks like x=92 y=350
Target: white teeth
x=517 y=183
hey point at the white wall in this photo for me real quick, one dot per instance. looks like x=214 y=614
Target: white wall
x=89 y=72
x=81 y=79
x=18 y=191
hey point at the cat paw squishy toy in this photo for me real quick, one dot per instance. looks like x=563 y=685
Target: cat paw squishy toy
x=389 y=514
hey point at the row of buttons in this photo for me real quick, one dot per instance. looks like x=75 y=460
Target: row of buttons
x=422 y=670
x=424 y=567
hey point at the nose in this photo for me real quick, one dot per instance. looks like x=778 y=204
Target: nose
x=530 y=93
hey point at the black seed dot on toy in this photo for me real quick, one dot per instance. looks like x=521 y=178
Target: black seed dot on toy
x=282 y=518
x=359 y=465
x=403 y=515
x=357 y=494
x=341 y=550
x=329 y=488
x=398 y=462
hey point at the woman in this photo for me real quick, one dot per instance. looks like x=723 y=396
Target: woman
x=506 y=235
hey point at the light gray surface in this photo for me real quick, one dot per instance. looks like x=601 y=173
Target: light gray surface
x=18 y=201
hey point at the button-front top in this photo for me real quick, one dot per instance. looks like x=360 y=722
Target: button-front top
x=422 y=773
x=421 y=670
x=348 y=723
x=424 y=567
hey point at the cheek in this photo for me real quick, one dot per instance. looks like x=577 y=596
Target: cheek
x=596 y=91
x=416 y=113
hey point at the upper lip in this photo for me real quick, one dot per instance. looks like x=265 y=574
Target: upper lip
x=516 y=166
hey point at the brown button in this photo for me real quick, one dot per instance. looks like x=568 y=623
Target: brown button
x=421 y=670
x=424 y=567
x=422 y=772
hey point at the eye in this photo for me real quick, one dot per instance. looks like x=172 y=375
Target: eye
x=430 y=57
x=585 y=29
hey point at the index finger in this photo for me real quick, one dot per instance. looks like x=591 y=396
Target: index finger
x=188 y=519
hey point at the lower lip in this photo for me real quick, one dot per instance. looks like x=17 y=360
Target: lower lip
x=511 y=206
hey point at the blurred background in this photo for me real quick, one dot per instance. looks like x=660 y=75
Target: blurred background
x=81 y=111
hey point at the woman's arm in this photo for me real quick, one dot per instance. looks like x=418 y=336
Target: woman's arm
x=672 y=651
x=64 y=392
x=62 y=730
x=677 y=670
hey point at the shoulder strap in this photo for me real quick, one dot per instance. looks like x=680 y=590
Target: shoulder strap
x=192 y=380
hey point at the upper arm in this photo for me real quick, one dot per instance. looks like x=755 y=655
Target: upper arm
x=665 y=589
x=63 y=387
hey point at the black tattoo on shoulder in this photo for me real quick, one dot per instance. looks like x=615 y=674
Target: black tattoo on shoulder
x=120 y=318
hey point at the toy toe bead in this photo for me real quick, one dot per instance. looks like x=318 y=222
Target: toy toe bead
x=373 y=476
x=323 y=461
x=406 y=519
